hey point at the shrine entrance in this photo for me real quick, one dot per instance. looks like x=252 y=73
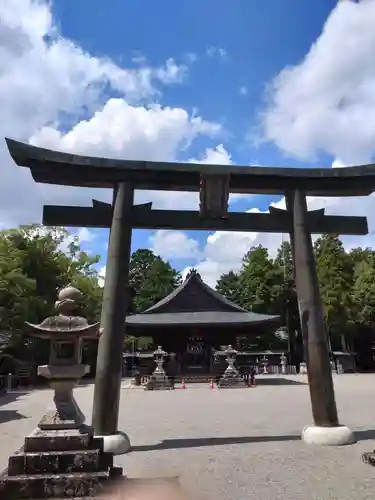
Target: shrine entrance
x=196 y=357
x=214 y=184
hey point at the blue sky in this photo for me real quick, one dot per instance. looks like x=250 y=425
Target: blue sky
x=259 y=39
x=231 y=63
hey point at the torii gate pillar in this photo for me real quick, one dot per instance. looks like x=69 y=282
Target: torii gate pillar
x=114 y=310
x=327 y=429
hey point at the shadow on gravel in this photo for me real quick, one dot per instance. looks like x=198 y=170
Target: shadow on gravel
x=276 y=381
x=173 y=444
x=9 y=415
x=365 y=434
x=9 y=397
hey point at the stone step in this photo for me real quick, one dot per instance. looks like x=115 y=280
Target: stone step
x=57 y=462
x=42 y=486
x=66 y=440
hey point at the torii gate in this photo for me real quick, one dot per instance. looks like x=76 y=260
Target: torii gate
x=214 y=183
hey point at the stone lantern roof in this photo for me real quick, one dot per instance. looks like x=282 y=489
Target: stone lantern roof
x=65 y=321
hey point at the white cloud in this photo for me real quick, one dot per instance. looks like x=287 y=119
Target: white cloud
x=44 y=77
x=217 y=52
x=327 y=101
x=243 y=90
x=173 y=245
x=122 y=130
x=83 y=235
x=101 y=276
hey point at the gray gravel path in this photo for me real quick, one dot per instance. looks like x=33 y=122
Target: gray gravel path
x=233 y=444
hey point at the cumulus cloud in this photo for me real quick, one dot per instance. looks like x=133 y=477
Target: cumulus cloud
x=174 y=245
x=327 y=101
x=46 y=81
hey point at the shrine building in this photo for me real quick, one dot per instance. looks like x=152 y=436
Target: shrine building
x=194 y=321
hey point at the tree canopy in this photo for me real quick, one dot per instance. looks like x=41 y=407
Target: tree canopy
x=36 y=262
x=347 y=285
x=151 y=278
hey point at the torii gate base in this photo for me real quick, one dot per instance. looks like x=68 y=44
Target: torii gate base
x=214 y=183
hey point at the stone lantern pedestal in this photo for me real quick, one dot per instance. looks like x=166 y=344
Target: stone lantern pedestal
x=159 y=379
x=61 y=458
x=231 y=378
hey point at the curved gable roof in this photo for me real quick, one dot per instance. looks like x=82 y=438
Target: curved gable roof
x=193 y=295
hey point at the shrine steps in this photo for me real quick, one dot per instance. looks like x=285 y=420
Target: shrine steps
x=41 y=469
x=53 y=462
x=66 y=485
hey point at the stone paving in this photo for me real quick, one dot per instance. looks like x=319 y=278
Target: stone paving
x=230 y=444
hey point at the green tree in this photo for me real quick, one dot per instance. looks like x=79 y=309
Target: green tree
x=284 y=259
x=151 y=278
x=229 y=285
x=35 y=262
x=260 y=281
x=364 y=291
x=335 y=275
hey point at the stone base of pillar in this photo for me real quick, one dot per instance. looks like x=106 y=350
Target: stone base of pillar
x=116 y=444
x=328 y=436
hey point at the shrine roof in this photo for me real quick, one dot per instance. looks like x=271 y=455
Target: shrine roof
x=194 y=295
x=53 y=167
x=202 y=318
x=196 y=303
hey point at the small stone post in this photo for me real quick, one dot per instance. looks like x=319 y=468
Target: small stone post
x=265 y=364
x=283 y=362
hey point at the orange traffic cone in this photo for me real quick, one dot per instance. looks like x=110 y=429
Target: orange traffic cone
x=212 y=384
x=183 y=386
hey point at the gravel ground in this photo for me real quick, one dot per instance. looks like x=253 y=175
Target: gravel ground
x=231 y=444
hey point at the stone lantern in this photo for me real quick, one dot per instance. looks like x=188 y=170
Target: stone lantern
x=231 y=378
x=264 y=361
x=283 y=363
x=66 y=332
x=159 y=379
x=62 y=458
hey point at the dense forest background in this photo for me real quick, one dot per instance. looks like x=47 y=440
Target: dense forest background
x=35 y=262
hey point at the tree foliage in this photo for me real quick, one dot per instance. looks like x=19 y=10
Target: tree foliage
x=260 y=281
x=346 y=279
x=151 y=278
x=35 y=262
x=229 y=286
